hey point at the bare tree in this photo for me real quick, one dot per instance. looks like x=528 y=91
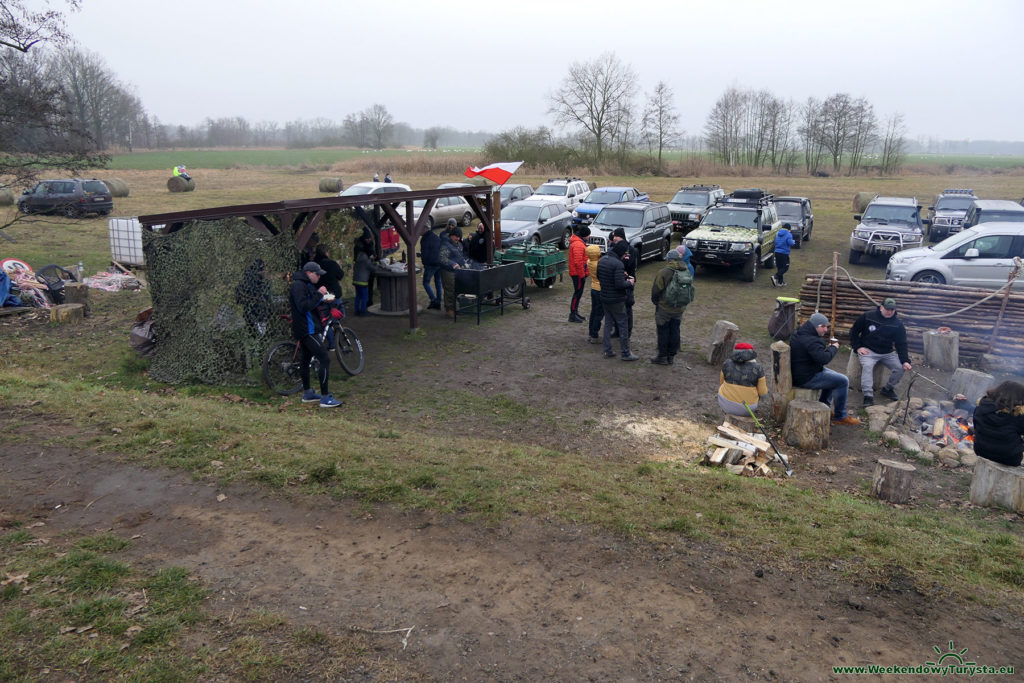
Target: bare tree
x=431 y=137
x=723 y=128
x=22 y=28
x=379 y=122
x=595 y=96
x=836 y=116
x=863 y=125
x=660 y=120
x=810 y=131
x=893 y=144
x=781 y=143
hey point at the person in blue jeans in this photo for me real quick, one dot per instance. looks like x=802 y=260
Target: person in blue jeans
x=783 y=243
x=430 y=252
x=808 y=356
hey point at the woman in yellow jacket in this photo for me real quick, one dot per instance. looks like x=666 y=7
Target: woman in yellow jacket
x=596 y=307
x=741 y=380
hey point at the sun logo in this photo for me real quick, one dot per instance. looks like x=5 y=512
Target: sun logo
x=951 y=653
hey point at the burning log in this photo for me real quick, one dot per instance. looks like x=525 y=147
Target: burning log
x=892 y=481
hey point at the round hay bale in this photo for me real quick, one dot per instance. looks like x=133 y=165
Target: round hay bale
x=860 y=201
x=117 y=187
x=331 y=185
x=6 y=196
x=179 y=184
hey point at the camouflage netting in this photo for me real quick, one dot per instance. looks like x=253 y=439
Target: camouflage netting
x=218 y=289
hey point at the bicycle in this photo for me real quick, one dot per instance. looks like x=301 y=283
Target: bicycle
x=281 y=366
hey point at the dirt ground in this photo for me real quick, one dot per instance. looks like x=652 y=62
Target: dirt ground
x=533 y=599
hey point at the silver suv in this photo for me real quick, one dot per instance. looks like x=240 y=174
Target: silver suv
x=976 y=257
x=569 y=191
x=947 y=216
x=888 y=225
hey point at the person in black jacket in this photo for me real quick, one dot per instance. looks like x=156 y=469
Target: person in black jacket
x=808 y=357
x=999 y=424
x=874 y=336
x=475 y=246
x=615 y=288
x=430 y=252
x=630 y=260
x=333 y=272
x=303 y=297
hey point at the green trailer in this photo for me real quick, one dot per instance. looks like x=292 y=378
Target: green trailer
x=542 y=263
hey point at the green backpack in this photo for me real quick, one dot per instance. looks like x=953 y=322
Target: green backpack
x=679 y=291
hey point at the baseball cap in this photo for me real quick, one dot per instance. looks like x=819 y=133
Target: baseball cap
x=314 y=267
x=889 y=304
x=818 y=319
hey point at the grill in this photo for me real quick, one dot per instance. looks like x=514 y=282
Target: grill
x=599 y=241
x=712 y=245
x=488 y=280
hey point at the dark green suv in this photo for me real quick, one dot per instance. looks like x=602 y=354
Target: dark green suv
x=72 y=197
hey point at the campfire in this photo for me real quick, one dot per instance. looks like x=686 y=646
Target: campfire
x=947 y=422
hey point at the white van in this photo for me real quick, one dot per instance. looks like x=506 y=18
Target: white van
x=981 y=256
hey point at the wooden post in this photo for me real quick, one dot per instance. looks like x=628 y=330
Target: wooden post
x=996 y=485
x=835 y=283
x=892 y=481
x=942 y=349
x=782 y=380
x=722 y=339
x=1002 y=309
x=808 y=424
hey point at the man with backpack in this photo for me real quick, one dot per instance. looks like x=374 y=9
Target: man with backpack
x=671 y=291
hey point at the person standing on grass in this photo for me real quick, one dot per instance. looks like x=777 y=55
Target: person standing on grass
x=596 y=307
x=630 y=260
x=303 y=298
x=577 y=271
x=615 y=288
x=430 y=252
x=783 y=243
x=361 y=280
x=452 y=258
x=878 y=336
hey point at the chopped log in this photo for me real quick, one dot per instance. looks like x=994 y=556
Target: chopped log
x=77 y=293
x=733 y=433
x=67 y=313
x=892 y=480
x=808 y=425
x=782 y=380
x=179 y=184
x=942 y=349
x=718 y=456
x=996 y=485
x=939 y=426
x=736 y=469
x=970 y=383
x=722 y=340
x=854 y=373
x=744 y=448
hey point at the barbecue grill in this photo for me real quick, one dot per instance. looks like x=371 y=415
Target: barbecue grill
x=488 y=279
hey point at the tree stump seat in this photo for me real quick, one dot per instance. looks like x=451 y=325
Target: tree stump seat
x=808 y=424
x=996 y=485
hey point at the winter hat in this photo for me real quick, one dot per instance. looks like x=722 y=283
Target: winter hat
x=584 y=231
x=818 y=319
x=619 y=232
x=457 y=231
x=620 y=248
x=673 y=256
x=452 y=222
x=741 y=346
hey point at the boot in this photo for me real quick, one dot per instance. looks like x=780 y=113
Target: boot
x=670 y=359
x=573 y=318
x=660 y=360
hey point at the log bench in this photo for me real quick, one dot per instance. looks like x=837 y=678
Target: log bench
x=996 y=485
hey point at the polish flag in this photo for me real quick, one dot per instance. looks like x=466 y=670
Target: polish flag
x=496 y=173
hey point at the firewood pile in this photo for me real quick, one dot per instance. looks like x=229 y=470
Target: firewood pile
x=739 y=452
x=991 y=333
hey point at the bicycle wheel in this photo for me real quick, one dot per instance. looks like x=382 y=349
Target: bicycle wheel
x=281 y=368
x=348 y=349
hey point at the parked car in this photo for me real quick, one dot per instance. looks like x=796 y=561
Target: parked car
x=444 y=208
x=798 y=213
x=888 y=225
x=981 y=256
x=739 y=230
x=370 y=187
x=947 y=216
x=73 y=197
x=648 y=227
x=993 y=211
x=569 y=191
x=599 y=197
x=690 y=204
x=514 y=192
x=537 y=220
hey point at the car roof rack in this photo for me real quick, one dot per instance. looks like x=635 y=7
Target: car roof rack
x=566 y=179
x=701 y=187
x=749 y=196
x=958 y=190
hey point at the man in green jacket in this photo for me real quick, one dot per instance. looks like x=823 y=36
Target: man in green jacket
x=668 y=315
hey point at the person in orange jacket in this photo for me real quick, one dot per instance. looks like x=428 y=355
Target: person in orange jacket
x=578 y=270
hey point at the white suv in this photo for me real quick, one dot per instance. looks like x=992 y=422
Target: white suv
x=981 y=256
x=569 y=191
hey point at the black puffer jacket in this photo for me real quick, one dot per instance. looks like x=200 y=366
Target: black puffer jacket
x=303 y=298
x=611 y=273
x=880 y=334
x=808 y=354
x=997 y=434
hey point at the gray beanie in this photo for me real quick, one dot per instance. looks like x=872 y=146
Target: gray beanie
x=673 y=256
x=818 y=319
x=452 y=221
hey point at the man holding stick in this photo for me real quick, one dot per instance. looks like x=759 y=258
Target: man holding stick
x=878 y=336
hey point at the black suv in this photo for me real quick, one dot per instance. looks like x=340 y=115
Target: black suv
x=946 y=217
x=73 y=197
x=648 y=227
x=797 y=212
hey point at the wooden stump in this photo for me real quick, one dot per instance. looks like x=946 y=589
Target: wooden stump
x=723 y=338
x=331 y=185
x=782 y=380
x=808 y=425
x=77 y=293
x=178 y=184
x=892 y=481
x=67 y=313
x=996 y=485
x=853 y=373
x=942 y=349
x=970 y=383
x=801 y=394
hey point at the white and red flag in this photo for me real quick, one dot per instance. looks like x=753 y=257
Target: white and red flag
x=497 y=173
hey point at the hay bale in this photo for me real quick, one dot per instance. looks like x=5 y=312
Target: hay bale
x=331 y=185
x=117 y=187
x=179 y=184
x=860 y=201
x=6 y=196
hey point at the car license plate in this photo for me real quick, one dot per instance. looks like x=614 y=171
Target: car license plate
x=97 y=199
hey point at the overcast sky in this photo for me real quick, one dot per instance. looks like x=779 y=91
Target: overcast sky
x=951 y=68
